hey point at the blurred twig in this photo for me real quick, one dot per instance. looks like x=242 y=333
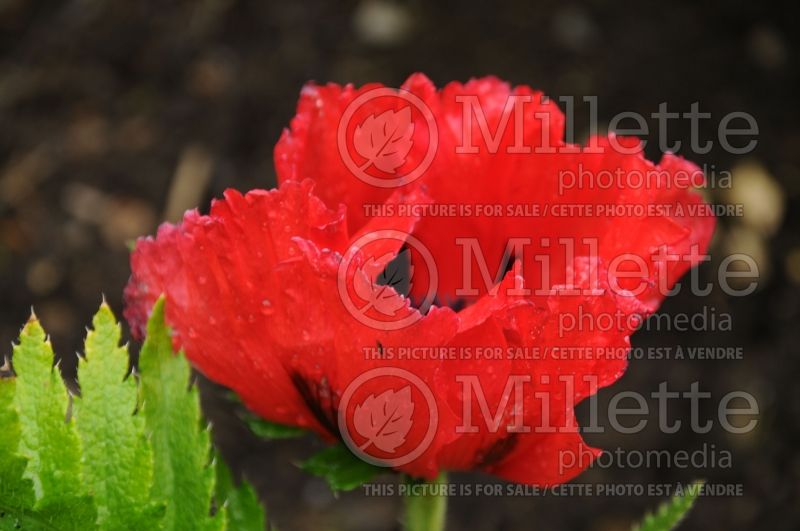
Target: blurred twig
x=189 y=183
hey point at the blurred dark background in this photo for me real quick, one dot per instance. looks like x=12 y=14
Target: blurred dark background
x=117 y=115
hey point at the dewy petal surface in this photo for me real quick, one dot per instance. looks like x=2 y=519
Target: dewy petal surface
x=527 y=166
x=255 y=295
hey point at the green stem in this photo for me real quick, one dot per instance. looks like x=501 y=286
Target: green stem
x=426 y=505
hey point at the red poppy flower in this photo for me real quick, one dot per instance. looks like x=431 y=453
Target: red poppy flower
x=261 y=291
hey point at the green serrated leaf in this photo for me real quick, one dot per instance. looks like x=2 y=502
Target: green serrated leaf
x=270 y=430
x=69 y=514
x=117 y=462
x=41 y=399
x=672 y=513
x=340 y=468
x=15 y=490
x=145 y=469
x=47 y=441
x=239 y=505
x=183 y=476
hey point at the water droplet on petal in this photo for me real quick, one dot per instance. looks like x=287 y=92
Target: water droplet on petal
x=292 y=294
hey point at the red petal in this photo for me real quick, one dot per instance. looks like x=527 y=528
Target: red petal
x=506 y=179
x=254 y=288
x=252 y=297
